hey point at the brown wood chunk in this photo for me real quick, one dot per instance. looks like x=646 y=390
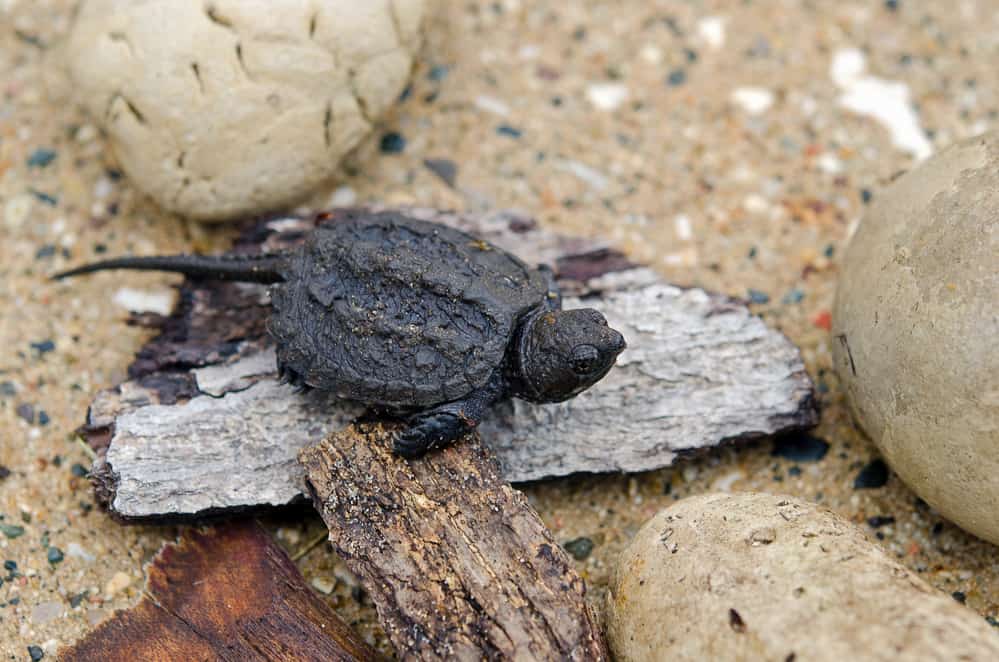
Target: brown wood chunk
x=458 y=564
x=227 y=593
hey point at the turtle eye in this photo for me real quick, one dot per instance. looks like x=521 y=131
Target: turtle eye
x=584 y=359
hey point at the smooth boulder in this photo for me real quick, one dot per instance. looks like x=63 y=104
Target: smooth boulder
x=915 y=327
x=762 y=577
x=226 y=108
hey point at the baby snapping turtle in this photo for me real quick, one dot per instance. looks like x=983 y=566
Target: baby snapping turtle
x=415 y=319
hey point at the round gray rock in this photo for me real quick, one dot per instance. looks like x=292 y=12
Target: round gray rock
x=765 y=577
x=226 y=108
x=915 y=328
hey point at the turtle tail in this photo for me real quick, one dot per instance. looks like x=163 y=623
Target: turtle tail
x=266 y=268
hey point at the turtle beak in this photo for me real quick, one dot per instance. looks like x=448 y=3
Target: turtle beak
x=614 y=342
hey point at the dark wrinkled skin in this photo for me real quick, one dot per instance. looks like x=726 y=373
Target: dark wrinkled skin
x=416 y=319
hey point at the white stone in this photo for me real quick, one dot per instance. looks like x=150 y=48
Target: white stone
x=754 y=100
x=74 y=550
x=606 y=96
x=324 y=585
x=224 y=109
x=886 y=101
x=712 y=30
x=144 y=301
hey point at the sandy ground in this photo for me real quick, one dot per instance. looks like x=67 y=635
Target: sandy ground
x=708 y=139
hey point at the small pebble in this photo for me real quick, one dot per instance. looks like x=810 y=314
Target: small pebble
x=118 y=583
x=676 y=77
x=343 y=196
x=878 y=521
x=606 y=96
x=874 y=475
x=509 y=131
x=683 y=228
x=823 y=320
x=41 y=157
x=324 y=585
x=492 y=105
x=43 y=418
x=438 y=73
x=712 y=30
x=36 y=653
x=392 y=143
x=794 y=296
x=4 y=472
x=50 y=200
x=579 y=548
x=78 y=470
x=756 y=296
x=26 y=411
x=17 y=209
x=595 y=179
x=754 y=100
x=43 y=346
x=959 y=596
x=76 y=551
x=144 y=301
x=801 y=448
x=55 y=555
x=446 y=169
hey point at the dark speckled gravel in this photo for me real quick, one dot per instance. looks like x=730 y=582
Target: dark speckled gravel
x=801 y=448
x=878 y=521
x=392 y=143
x=873 y=475
x=579 y=548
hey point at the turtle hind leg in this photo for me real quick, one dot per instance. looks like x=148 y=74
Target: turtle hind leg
x=289 y=376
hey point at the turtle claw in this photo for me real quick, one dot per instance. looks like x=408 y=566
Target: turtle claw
x=426 y=433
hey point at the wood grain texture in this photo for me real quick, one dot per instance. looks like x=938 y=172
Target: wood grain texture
x=227 y=593
x=203 y=426
x=459 y=565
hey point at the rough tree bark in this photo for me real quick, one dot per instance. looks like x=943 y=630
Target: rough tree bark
x=228 y=593
x=202 y=425
x=459 y=565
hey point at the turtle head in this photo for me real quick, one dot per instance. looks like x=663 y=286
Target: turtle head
x=564 y=352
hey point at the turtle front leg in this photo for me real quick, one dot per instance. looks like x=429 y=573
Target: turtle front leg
x=440 y=426
x=434 y=429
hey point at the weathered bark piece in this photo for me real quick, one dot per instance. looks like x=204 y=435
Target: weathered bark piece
x=458 y=564
x=228 y=593
x=202 y=426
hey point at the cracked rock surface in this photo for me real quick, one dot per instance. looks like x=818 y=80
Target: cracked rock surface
x=219 y=109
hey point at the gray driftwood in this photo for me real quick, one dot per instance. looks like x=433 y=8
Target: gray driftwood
x=203 y=426
x=458 y=564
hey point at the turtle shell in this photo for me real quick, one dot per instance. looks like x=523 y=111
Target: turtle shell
x=394 y=311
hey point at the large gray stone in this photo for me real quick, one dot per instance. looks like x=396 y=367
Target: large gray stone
x=915 y=329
